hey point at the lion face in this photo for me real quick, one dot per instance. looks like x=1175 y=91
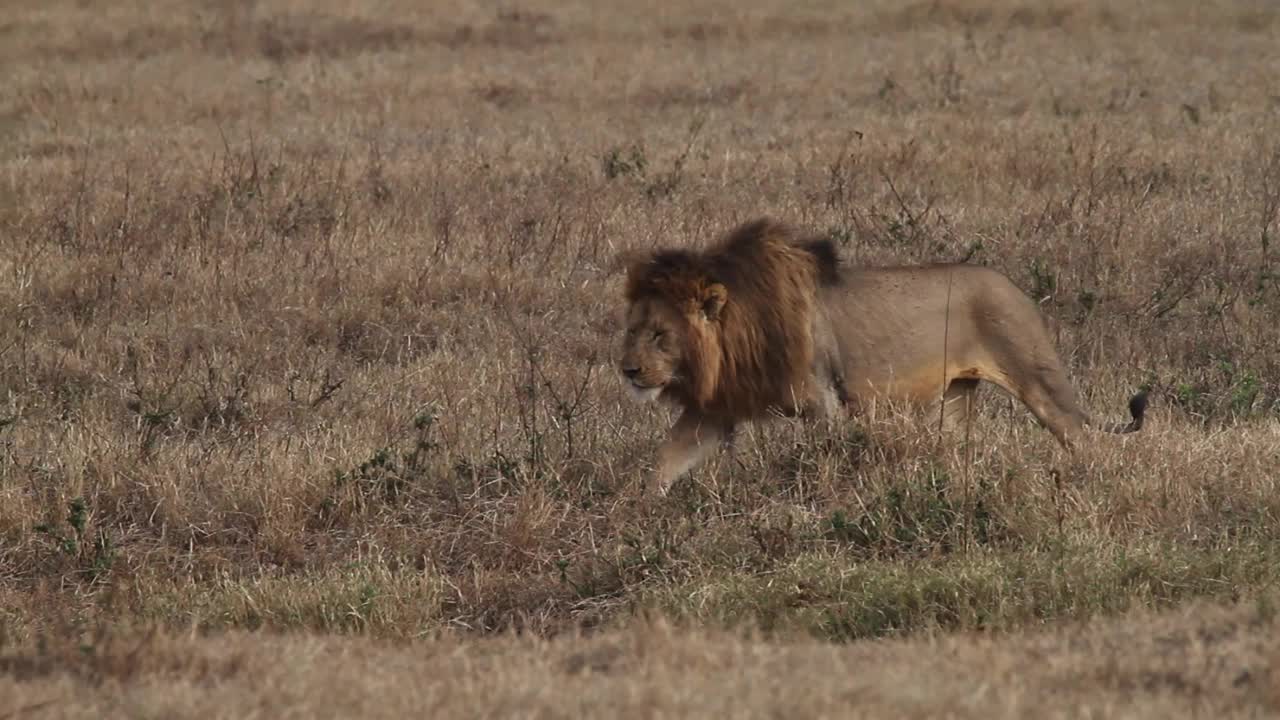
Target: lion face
x=652 y=348
x=671 y=348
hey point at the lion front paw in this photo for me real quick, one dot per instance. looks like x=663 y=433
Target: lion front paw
x=656 y=485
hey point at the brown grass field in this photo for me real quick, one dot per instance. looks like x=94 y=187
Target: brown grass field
x=308 y=314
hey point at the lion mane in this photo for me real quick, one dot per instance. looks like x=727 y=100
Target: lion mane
x=758 y=356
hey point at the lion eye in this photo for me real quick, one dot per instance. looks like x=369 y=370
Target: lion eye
x=659 y=334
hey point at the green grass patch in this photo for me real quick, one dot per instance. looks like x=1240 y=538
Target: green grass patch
x=358 y=598
x=837 y=597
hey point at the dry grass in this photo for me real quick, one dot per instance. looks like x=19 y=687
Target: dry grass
x=307 y=311
x=1198 y=661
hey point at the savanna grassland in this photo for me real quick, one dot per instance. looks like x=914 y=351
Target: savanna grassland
x=308 y=314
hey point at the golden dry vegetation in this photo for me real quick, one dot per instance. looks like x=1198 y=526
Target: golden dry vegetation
x=308 y=312
x=1194 y=661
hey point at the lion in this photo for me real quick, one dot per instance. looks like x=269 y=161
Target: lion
x=767 y=321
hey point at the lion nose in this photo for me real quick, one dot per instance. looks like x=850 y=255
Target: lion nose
x=631 y=372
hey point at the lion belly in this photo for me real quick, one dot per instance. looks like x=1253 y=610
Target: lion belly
x=905 y=333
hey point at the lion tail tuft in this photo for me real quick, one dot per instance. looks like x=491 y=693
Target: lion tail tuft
x=1137 y=410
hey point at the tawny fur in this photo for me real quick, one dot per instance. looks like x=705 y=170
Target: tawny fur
x=766 y=320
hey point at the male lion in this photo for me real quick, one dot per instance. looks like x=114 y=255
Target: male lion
x=767 y=321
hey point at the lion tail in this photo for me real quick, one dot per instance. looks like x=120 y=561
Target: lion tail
x=1137 y=409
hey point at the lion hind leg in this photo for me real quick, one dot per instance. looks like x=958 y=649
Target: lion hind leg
x=1047 y=394
x=1049 y=397
x=957 y=404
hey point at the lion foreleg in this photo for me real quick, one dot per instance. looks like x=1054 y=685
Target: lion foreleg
x=692 y=439
x=827 y=405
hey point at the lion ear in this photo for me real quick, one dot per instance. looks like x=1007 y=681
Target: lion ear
x=713 y=300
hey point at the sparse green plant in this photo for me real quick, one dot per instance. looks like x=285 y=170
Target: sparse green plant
x=621 y=162
x=843 y=236
x=924 y=516
x=1044 y=282
x=94 y=553
x=1088 y=300
x=1245 y=393
x=666 y=183
x=946 y=79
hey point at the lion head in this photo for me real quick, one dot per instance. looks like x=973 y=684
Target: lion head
x=671 y=334
x=725 y=331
